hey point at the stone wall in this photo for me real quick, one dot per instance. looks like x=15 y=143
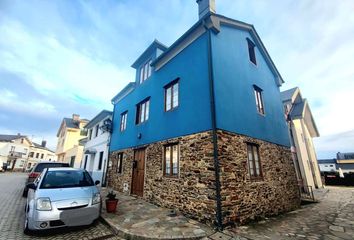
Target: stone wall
x=244 y=199
x=193 y=193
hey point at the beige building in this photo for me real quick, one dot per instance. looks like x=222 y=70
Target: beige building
x=71 y=131
x=302 y=128
x=38 y=153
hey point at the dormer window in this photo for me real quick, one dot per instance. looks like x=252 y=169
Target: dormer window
x=145 y=71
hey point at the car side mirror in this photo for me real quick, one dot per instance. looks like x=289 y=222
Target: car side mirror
x=97 y=182
x=32 y=186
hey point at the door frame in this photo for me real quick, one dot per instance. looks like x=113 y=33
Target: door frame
x=131 y=182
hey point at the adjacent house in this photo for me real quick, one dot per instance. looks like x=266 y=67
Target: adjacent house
x=14 y=151
x=302 y=128
x=20 y=153
x=327 y=165
x=39 y=152
x=201 y=129
x=97 y=145
x=69 y=149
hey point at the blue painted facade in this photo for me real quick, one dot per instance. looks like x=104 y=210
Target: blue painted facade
x=191 y=116
x=234 y=77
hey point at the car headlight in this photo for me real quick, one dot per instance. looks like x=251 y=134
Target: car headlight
x=96 y=198
x=44 y=204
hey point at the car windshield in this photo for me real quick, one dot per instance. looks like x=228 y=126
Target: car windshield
x=66 y=179
x=39 y=167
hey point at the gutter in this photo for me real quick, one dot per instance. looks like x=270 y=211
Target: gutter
x=214 y=131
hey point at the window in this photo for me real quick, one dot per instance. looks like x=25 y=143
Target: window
x=72 y=161
x=25 y=151
x=100 y=161
x=259 y=99
x=171 y=95
x=145 y=71
x=42 y=156
x=12 y=149
x=90 y=134
x=142 y=111
x=171 y=160
x=120 y=163
x=123 y=121
x=251 y=51
x=37 y=155
x=31 y=154
x=254 y=161
x=96 y=130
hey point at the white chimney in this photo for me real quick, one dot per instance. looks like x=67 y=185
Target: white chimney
x=76 y=117
x=205 y=6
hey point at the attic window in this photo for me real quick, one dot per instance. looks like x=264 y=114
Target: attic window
x=145 y=71
x=251 y=51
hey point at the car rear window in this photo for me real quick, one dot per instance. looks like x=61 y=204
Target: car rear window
x=66 y=179
x=41 y=166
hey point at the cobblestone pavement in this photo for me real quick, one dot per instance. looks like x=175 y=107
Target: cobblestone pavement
x=137 y=219
x=332 y=218
x=12 y=215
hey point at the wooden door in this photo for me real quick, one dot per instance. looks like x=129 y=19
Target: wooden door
x=138 y=172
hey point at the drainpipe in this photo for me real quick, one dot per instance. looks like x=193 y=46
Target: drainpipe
x=214 y=131
x=104 y=184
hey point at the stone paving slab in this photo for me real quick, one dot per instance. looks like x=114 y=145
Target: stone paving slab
x=137 y=219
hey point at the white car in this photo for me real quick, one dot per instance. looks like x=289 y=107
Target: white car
x=62 y=197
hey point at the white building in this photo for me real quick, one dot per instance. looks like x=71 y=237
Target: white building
x=19 y=153
x=302 y=129
x=95 y=158
x=14 y=150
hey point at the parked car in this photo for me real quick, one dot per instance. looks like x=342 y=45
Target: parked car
x=37 y=169
x=62 y=197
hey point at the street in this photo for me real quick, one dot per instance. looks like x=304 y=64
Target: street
x=12 y=215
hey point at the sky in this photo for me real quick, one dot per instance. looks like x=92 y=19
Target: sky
x=63 y=57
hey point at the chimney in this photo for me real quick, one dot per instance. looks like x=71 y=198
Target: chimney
x=76 y=117
x=205 y=6
x=44 y=143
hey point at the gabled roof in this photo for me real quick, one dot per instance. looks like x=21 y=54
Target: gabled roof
x=214 y=21
x=153 y=46
x=36 y=145
x=71 y=123
x=288 y=95
x=9 y=138
x=124 y=92
x=99 y=117
x=323 y=161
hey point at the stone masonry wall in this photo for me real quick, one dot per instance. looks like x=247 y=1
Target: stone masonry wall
x=244 y=199
x=193 y=193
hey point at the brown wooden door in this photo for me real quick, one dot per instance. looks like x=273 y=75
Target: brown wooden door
x=138 y=172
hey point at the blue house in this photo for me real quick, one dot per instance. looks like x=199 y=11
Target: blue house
x=202 y=129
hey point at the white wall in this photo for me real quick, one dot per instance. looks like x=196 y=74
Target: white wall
x=327 y=167
x=96 y=144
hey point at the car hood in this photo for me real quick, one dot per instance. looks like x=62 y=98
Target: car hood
x=59 y=194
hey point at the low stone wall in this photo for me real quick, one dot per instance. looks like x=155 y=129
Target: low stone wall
x=193 y=193
x=244 y=199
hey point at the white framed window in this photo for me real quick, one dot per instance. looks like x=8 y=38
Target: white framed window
x=123 y=121
x=145 y=71
x=142 y=111
x=172 y=95
x=259 y=99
